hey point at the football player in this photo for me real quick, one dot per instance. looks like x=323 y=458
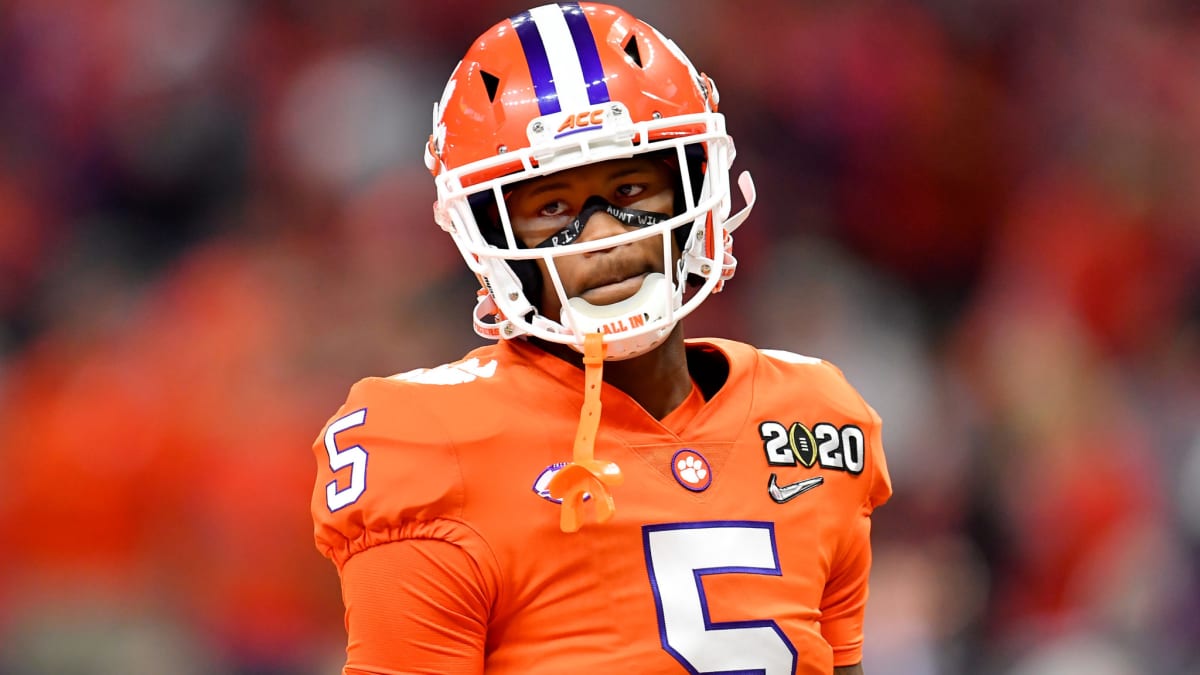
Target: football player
x=593 y=492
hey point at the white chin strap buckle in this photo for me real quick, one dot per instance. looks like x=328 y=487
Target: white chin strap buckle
x=623 y=323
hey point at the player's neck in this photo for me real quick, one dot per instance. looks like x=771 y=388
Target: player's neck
x=658 y=380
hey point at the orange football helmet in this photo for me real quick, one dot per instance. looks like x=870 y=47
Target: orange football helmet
x=560 y=86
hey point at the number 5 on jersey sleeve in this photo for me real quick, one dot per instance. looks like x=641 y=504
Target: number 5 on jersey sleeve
x=354 y=457
x=678 y=557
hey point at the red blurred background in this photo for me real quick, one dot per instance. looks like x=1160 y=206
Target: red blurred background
x=214 y=217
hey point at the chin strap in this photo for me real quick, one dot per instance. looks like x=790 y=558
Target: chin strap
x=587 y=478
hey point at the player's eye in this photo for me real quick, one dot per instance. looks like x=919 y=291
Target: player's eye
x=630 y=190
x=553 y=209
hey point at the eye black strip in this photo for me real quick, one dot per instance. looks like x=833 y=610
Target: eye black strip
x=594 y=205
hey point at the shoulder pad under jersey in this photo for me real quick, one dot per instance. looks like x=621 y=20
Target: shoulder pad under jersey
x=823 y=386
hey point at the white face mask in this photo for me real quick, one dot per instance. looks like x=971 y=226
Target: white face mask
x=506 y=311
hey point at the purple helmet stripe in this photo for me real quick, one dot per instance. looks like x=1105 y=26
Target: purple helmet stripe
x=539 y=63
x=589 y=56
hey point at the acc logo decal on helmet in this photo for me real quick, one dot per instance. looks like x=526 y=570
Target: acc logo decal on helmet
x=612 y=117
x=580 y=122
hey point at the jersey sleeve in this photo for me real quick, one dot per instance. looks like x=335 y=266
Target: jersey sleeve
x=878 y=486
x=386 y=471
x=414 y=606
x=387 y=508
x=843 y=604
x=879 y=489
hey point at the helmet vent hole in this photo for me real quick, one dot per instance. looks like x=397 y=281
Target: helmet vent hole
x=631 y=50
x=492 y=83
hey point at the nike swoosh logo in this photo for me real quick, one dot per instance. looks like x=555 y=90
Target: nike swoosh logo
x=783 y=493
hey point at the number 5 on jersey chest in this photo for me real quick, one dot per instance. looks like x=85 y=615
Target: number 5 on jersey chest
x=678 y=557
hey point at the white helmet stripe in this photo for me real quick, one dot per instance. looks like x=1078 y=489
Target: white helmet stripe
x=567 y=72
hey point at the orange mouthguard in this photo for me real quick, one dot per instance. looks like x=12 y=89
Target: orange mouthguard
x=587 y=476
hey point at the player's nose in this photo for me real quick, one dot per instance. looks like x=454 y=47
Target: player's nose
x=600 y=225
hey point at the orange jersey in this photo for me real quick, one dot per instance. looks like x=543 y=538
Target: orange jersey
x=740 y=540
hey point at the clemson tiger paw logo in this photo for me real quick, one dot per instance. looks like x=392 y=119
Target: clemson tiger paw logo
x=691 y=470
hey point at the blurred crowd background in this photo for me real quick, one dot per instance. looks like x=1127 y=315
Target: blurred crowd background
x=214 y=217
